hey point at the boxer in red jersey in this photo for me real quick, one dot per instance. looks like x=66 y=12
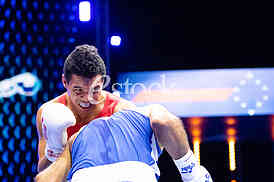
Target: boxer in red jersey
x=83 y=69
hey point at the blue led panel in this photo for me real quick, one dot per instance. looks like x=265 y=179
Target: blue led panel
x=221 y=92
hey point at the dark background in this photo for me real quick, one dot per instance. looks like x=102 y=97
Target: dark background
x=192 y=35
x=157 y=35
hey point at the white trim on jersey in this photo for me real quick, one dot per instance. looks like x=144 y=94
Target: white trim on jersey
x=128 y=171
x=155 y=154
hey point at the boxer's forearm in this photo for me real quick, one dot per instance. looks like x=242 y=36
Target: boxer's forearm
x=58 y=170
x=43 y=164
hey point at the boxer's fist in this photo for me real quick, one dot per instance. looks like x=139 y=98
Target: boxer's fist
x=56 y=118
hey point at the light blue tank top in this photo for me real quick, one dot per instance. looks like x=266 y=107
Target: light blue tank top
x=125 y=136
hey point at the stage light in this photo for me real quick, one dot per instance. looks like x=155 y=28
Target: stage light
x=115 y=40
x=196 y=147
x=231 y=140
x=232 y=160
x=231 y=132
x=230 y=121
x=196 y=133
x=84 y=11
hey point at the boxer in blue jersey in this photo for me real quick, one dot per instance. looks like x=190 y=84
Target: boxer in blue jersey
x=125 y=136
x=123 y=148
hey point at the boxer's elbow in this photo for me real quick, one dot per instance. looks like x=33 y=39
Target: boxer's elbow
x=40 y=167
x=43 y=163
x=39 y=178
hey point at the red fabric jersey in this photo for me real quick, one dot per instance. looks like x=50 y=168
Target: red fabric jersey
x=108 y=109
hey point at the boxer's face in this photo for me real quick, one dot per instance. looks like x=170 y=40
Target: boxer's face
x=78 y=89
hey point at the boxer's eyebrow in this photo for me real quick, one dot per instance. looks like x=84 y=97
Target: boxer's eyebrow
x=77 y=87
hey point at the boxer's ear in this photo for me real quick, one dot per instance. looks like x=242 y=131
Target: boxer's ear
x=64 y=81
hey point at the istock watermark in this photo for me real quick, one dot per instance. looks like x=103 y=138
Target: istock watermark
x=129 y=87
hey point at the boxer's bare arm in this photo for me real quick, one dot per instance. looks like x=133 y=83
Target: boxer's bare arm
x=169 y=131
x=43 y=162
x=59 y=169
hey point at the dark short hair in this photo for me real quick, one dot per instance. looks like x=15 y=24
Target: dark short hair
x=84 y=61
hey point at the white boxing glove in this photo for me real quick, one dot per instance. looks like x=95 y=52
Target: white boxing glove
x=56 y=118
